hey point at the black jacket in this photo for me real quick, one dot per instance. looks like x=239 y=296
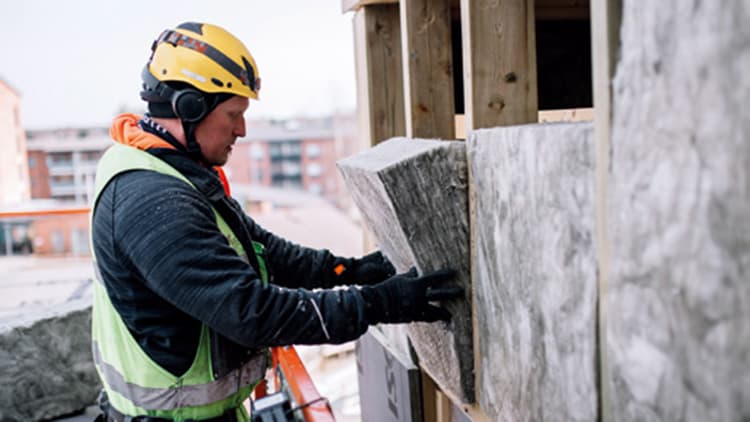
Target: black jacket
x=167 y=268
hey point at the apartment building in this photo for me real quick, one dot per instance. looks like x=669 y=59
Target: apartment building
x=62 y=162
x=14 y=176
x=296 y=154
x=62 y=166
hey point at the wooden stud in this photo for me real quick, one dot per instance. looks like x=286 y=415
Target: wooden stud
x=562 y=9
x=444 y=407
x=429 y=398
x=561 y=3
x=605 y=26
x=353 y=5
x=474 y=265
x=567 y=115
x=380 y=93
x=545 y=9
x=499 y=62
x=428 y=68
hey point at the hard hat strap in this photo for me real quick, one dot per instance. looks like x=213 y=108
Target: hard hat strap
x=193 y=147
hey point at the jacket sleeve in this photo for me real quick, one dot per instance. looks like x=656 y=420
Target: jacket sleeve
x=293 y=265
x=166 y=231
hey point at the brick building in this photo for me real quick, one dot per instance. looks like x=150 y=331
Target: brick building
x=60 y=234
x=296 y=154
x=61 y=169
x=14 y=176
x=62 y=162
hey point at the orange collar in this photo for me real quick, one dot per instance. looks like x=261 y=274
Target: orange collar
x=125 y=130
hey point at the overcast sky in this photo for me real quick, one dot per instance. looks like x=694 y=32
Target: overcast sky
x=77 y=62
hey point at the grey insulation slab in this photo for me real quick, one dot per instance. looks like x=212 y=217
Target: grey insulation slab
x=45 y=363
x=678 y=302
x=535 y=288
x=412 y=194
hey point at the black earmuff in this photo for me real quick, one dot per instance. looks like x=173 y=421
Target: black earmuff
x=189 y=105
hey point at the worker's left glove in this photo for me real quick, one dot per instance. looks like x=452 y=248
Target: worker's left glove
x=370 y=269
x=407 y=297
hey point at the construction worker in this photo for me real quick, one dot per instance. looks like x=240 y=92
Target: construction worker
x=190 y=291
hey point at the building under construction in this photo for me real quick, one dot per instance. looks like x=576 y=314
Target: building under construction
x=608 y=260
x=585 y=166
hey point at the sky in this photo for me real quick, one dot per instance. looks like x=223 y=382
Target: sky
x=77 y=62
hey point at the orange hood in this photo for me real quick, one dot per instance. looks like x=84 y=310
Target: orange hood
x=125 y=130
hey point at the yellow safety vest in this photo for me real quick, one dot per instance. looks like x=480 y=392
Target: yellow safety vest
x=134 y=383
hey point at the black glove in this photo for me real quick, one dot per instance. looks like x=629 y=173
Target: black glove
x=370 y=269
x=405 y=297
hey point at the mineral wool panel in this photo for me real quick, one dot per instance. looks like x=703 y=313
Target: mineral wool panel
x=535 y=273
x=413 y=195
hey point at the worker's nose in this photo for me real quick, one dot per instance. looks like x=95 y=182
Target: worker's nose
x=239 y=128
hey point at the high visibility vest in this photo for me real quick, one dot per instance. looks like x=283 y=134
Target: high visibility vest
x=134 y=383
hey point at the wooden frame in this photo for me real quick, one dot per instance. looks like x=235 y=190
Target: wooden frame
x=545 y=9
x=499 y=63
x=380 y=90
x=405 y=82
x=428 y=68
x=606 y=17
x=405 y=64
x=562 y=9
x=353 y=5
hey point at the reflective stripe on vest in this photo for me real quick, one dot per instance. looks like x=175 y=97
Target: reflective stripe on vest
x=134 y=383
x=150 y=398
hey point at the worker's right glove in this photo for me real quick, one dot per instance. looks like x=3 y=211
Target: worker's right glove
x=405 y=297
x=370 y=269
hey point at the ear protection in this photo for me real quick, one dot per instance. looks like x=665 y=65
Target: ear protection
x=188 y=104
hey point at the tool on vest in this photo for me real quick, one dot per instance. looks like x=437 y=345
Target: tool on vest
x=274 y=407
x=280 y=406
x=277 y=407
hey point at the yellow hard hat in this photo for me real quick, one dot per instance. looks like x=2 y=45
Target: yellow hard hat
x=205 y=56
